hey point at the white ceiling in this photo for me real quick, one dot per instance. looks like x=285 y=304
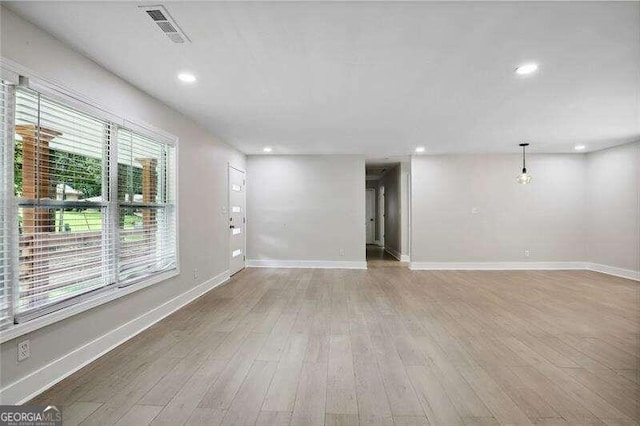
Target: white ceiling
x=377 y=78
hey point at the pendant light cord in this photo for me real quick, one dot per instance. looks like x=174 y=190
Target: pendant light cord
x=524 y=155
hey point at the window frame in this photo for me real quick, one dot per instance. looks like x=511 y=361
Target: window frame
x=7 y=180
x=116 y=290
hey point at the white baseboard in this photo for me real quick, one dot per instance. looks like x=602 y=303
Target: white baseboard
x=42 y=379
x=394 y=253
x=612 y=270
x=323 y=264
x=514 y=266
x=493 y=266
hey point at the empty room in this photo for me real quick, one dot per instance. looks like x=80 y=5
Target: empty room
x=319 y=213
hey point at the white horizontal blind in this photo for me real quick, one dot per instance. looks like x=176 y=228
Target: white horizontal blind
x=61 y=185
x=6 y=209
x=146 y=198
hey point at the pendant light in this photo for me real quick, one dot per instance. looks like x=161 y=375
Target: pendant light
x=524 y=177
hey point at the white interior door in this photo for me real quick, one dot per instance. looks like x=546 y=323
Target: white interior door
x=370 y=215
x=237 y=220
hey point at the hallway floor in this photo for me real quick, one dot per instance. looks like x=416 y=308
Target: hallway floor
x=377 y=257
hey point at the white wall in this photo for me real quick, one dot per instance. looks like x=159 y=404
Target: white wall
x=613 y=182
x=306 y=209
x=202 y=192
x=548 y=217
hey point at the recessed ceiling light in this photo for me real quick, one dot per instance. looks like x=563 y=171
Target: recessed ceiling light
x=579 y=147
x=420 y=149
x=267 y=149
x=525 y=69
x=187 y=77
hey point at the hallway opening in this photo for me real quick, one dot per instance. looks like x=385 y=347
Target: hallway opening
x=387 y=210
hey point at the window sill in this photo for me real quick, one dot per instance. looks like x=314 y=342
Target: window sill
x=18 y=330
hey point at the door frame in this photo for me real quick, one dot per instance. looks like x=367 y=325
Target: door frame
x=381 y=213
x=228 y=214
x=375 y=222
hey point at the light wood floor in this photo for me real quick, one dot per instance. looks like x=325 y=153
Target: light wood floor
x=383 y=346
x=377 y=257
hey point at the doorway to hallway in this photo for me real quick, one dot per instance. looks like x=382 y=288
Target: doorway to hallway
x=386 y=211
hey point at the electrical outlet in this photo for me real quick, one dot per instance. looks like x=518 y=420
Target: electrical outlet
x=526 y=253
x=195 y=274
x=24 y=350
x=341 y=252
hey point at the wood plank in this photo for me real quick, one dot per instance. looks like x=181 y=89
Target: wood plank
x=274 y=418
x=245 y=408
x=118 y=405
x=205 y=417
x=139 y=415
x=403 y=399
x=182 y=406
x=281 y=394
x=373 y=405
x=435 y=401
x=230 y=379
x=341 y=386
x=309 y=408
x=333 y=419
x=501 y=406
x=410 y=420
x=78 y=411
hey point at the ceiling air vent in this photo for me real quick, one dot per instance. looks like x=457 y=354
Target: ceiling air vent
x=166 y=23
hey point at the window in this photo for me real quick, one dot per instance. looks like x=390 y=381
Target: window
x=59 y=181
x=94 y=205
x=145 y=206
x=6 y=191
